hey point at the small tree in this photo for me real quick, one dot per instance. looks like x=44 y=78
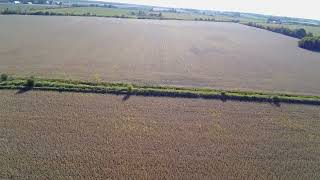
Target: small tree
x=30 y=82
x=4 y=77
x=223 y=96
x=276 y=100
x=130 y=88
x=97 y=78
x=300 y=33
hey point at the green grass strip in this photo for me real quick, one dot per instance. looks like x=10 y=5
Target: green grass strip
x=62 y=85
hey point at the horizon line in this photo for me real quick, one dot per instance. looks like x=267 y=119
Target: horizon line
x=209 y=9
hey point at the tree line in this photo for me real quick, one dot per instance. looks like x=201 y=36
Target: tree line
x=25 y=12
x=40 y=12
x=310 y=43
x=307 y=40
x=296 y=33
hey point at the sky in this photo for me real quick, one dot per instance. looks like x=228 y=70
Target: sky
x=291 y=8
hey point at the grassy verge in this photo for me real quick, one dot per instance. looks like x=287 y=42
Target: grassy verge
x=165 y=91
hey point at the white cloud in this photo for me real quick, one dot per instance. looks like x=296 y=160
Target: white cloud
x=293 y=8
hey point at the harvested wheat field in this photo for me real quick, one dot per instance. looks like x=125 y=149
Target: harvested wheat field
x=51 y=135
x=200 y=54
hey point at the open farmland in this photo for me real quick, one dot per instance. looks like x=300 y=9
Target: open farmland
x=49 y=135
x=25 y=7
x=128 y=13
x=93 y=10
x=199 y=54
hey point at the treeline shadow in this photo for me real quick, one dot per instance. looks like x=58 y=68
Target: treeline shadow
x=24 y=90
x=222 y=97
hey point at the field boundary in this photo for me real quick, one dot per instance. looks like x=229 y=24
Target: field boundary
x=60 y=85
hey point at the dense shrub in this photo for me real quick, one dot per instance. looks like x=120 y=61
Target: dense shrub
x=130 y=88
x=275 y=99
x=30 y=82
x=4 y=77
x=224 y=96
x=37 y=13
x=310 y=43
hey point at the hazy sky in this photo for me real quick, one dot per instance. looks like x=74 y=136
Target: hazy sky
x=293 y=8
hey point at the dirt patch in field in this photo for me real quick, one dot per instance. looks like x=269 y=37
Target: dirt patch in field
x=49 y=135
x=202 y=54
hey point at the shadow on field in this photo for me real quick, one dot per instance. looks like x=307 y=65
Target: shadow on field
x=225 y=99
x=126 y=97
x=277 y=104
x=275 y=101
x=23 y=90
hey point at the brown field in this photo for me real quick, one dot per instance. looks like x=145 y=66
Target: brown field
x=50 y=135
x=202 y=54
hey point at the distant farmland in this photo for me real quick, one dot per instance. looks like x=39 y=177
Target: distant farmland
x=200 y=54
x=50 y=135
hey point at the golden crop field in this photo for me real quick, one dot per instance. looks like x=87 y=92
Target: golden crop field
x=183 y=53
x=60 y=135
x=51 y=135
